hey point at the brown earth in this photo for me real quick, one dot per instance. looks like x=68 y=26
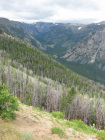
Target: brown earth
x=37 y=124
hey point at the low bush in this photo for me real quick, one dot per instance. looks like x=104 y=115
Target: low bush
x=58 y=115
x=57 y=130
x=101 y=135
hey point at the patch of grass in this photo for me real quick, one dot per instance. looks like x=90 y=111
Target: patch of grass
x=58 y=115
x=47 y=138
x=57 y=130
x=69 y=138
x=8 y=132
x=57 y=120
x=37 y=109
x=24 y=104
x=80 y=126
x=21 y=110
x=53 y=120
x=35 y=116
x=74 y=133
x=46 y=113
x=27 y=135
x=101 y=135
x=39 y=114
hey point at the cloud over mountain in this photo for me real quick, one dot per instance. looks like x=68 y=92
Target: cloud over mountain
x=52 y=10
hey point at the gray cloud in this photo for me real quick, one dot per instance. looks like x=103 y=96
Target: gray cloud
x=76 y=4
x=21 y=9
x=6 y=5
x=46 y=9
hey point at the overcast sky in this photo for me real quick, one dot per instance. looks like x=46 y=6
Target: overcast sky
x=53 y=10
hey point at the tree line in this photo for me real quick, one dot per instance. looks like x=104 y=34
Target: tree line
x=52 y=96
x=38 y=80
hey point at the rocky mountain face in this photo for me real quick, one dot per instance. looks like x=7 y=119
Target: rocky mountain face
x=78 y=46
x=89 y=50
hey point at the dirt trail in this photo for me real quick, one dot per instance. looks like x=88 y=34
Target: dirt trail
x=40 y=126
x=39 y=123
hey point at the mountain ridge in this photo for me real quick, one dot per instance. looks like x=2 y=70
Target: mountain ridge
x=73 y=45
x=77 y=44
x=18 y=32
x=38 y=80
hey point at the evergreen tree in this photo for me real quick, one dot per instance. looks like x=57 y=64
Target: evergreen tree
x=8 y=103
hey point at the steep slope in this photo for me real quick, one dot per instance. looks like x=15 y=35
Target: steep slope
x=36 y=28
x=90 y=49
x=34 y=124
x=38 y=80
x=89 y=52
x=17 y=31
x=42 y=64
x=79 y=47
x=68 y=36
x=30 y=28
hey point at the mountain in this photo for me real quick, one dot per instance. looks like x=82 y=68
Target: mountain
x=36 y=28
x=17 y=31
x=38 y=80
x=79 y=47
x=42 y=64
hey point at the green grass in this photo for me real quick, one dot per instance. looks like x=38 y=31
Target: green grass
x=58 y=115
x=57 y=120
x=101 y=135
x=36 y=109
x=78 y=125
x=35 y=116
x=57 y=130
x=8 y=132
x=27 y=135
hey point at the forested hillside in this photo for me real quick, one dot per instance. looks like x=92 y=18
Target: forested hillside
x=38 y=80
x=80 y=47
x=43 y=65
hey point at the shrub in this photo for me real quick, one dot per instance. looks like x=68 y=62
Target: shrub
x=58 y=115
x=57 y=130
x=8 y=103
x=101 y=135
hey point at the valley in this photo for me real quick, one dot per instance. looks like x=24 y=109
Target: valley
x=76 y=43
x=31 y=58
